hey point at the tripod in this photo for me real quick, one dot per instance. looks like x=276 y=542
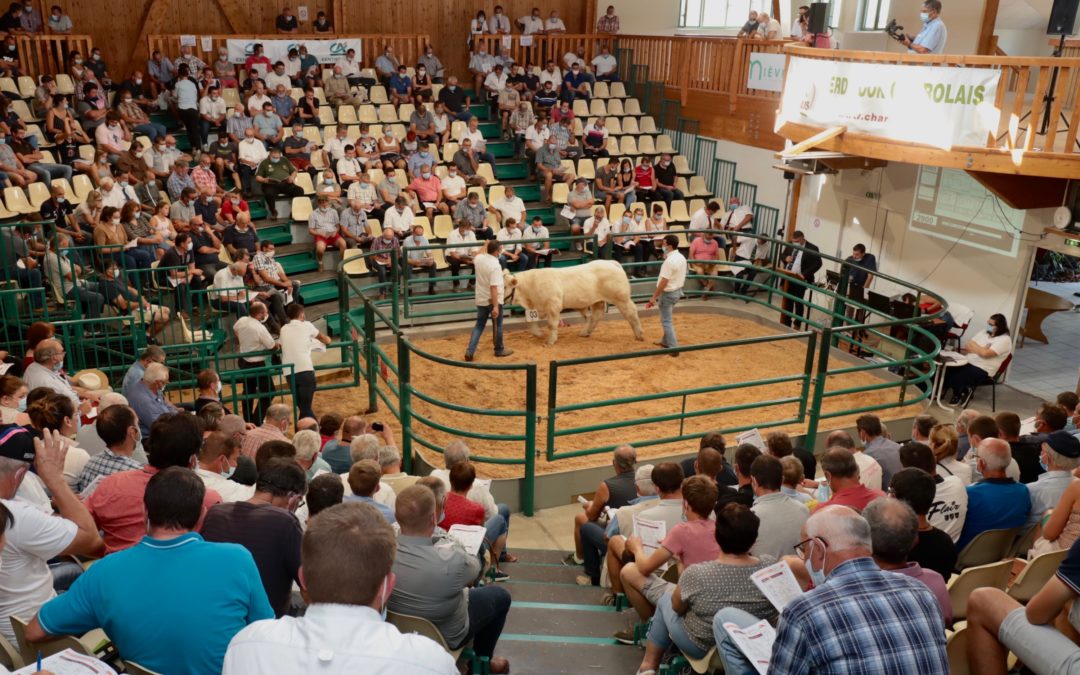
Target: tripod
x=1048 y=99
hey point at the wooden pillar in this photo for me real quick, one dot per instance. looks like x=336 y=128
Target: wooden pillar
x=793 y=207
x=987 y=43
x=590 y=16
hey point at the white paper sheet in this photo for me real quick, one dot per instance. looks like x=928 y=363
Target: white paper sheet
x=568 y=212
x=651 y=532
x=526 y=41
x=777 y=583
x=68 y=662
x=471 y=537
x=755 y=642
x=753 y=437
x=187 y=40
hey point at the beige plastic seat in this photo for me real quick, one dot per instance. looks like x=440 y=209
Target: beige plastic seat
x=480 y=194
x=586 y=169
x=26 y=86
x=1035 y=575
x=647 y=125
x=580 y=108
x=487 y=173
x=682 y=166
x=601 y=90
x=448 y=152
x=398 y=130
x=956 y=647
x=664 y=145
x=377 y=95
x=83 y=186
x=987 y=547
x=43 y=142
x=7 y=85
x=615 y=107
x=15 y=200
x=613 y=126
x=387 y=114
x=346 y=114
x=612 y=146
x=326 y=116
x=301 y=209
x=69 y=191
x=631 y=107
x=698 y=187
x=618 y=90
x=681 y=185
x=231 y=97
x=29 y=652
x=628 y=146
x=64 y=84
x=679 y=214
x=303 y=180
x=993 y=575
x=367 y=114
x=559 y=193
x=426 y=224
x=22 y=111
x=495 y=193
x=368 y=74
x=39 y=194
x=615 y=213
x=645 y=145
x=404 y=482
x=444 y=225
x=696 y=204
x=598 y=108
x=421 y=626
x=313 y=134
x=353 y=263
x=567 y=165
x=405 y=111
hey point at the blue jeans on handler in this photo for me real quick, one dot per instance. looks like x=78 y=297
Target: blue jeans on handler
x=735 y=662
x=667 y=628
x=667 y=303
x=483 y=313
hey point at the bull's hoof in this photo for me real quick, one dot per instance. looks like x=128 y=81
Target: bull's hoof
x=584 y=333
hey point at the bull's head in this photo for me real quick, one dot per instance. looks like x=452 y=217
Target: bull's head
x=510 y=283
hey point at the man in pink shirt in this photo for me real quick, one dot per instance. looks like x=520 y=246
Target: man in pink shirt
x=842 y=476
x=273 y=428
x=427 y=189
x=690 y=542
x=705 y=247
x=117 y=502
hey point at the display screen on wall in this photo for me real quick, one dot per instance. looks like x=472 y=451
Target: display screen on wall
x=949 y=204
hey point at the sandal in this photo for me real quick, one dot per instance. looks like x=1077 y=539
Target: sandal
x=508 y=558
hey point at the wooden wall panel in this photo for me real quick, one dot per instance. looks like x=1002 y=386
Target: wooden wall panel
x=116 y=29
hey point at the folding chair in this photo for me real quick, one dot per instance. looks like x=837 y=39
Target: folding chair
x=993 y=575
x=421 y=626
x=994 y=381
x=1035 y=575
x=987 y=547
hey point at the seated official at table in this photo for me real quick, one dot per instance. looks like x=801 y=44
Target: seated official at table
x=985 y=353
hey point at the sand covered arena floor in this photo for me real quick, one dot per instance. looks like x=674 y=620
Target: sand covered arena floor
x=595 y=382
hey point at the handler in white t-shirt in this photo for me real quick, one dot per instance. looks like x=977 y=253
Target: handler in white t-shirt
x=298 y=339
x=489 y=296
x=985 y=353
x=669 y=289
x=33 y=537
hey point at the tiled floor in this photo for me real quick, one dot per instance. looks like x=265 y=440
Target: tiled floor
x=1046 y=370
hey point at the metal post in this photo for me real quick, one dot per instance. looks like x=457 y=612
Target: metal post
x=840 y=306
x=808 y=372
x=370 y=356
x=819 y=388
x=394 y=291
x=404 y=403
x=528 y=489
x=553 y=389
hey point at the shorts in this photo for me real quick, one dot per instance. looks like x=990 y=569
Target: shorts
x=1043 y=649
x=332 y=240
x=704 y=270
x=655 y=588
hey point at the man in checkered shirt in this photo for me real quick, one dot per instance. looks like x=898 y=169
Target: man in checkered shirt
x=858 y=618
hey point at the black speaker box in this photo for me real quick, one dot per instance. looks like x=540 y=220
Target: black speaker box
x=819 y=17
x=1063 y=17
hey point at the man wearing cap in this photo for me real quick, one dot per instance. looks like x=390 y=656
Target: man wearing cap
x=35 y=537
x=1060 y=455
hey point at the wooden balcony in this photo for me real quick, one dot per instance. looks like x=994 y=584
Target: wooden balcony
x=1014 y=145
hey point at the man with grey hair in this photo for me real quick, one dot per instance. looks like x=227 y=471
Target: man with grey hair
x=35 y=537
x=854 y=603
x=147 y=398
x=963 y=443
x=308 y=443
x=894 y=530
x=646 y=490
x=88 y=438
x=390 y=461
x=496 y=516
x=47 y=371
x=152 y=354
x=614 y=492
x=275 y=423
x=997 y=502
x=869 y=469
x=1060 y=455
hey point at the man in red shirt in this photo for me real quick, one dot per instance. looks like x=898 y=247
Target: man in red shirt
x=842 y=476
x=117 y=502
x=706 y=247
x=426 y=188
x=460 y=510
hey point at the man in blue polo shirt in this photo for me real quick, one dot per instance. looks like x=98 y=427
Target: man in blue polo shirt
x=997 y=502
x=171 y=603
x=931 y=39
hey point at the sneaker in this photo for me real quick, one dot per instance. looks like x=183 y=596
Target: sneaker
x=499 y=575
x=504 y=353
x=608 y=600
x=571 y=560
x=625 y=637
x=583 y=580
x=468 y=357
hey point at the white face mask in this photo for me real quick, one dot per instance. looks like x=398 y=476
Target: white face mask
x=816 y=575
x=190 y=246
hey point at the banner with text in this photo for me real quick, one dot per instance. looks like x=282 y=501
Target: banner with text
x=326 y=51
x=932 y=105
x=766 y=72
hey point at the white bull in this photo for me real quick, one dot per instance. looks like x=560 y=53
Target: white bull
x=586 y=288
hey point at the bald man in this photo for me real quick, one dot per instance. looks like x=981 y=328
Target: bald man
x=997 y=501
x=854 y=602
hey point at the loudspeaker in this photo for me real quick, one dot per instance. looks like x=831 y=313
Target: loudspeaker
x=1063 y=17
x=819 y=17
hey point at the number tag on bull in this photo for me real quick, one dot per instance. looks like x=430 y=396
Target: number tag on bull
x=532 y=315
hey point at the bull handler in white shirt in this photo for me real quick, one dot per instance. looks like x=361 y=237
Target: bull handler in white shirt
x=669 y=290
x=489 y=296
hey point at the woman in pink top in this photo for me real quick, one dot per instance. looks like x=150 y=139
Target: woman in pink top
x=688 y=543
x=645 y=178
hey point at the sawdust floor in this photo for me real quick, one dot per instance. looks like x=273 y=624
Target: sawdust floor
x=595 y=382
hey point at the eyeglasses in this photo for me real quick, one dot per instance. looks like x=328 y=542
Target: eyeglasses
x=802 y=548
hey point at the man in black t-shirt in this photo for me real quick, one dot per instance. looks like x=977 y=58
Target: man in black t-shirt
x=934 y=549
x=455 y=101
x=665 y=180
x=10 y=21
x=286 y=23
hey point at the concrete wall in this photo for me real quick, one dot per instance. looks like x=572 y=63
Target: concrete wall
x=644 y=17
x=835 y=214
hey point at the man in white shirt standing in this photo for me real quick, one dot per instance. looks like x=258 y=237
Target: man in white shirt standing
x=298 y=338
x=489 y=296
x=342 y=629
x=253 y=338
x=533 y=24
x=669 y=290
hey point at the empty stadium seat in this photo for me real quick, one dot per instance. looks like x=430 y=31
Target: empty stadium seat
x=616 y=213
x=15 y=200
x=367 y=114
x=352 y=262
x=698 y=187
x=681 y=186
x=39 y=194
x=679 y=214
x=618 y=90
x=405 y=110
x=26 y=86
x=457 y=127
x=631 y=107
x=567 y=165
x=647 y=125
x=615 y=107
x=377 y=95
x=628 y=146
x=613 y=126
x=448 y=152
x=612 y=146
x=444 y=225
x=580 y=108
x=301 y=209
x=64 y=84
x=586 y=169
x=645 y=145
x=487 y=173
x=495 y=193
x=346 y=114
x=387 y=113
x=601 y=90
x=664 y=145
x=303 y=180
x=398 y=130
x=682 y=166
x=597 y=107
x=7 y=84
x=559 y=193
x=22 y=111
x=579 y=126
x=82 y=186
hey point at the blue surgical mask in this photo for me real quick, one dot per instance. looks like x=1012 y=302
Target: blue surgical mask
x=22 y=405
x=989 y=329
x=1043 y=465
x=816 y=575
x=924 y=17
x=229 y=473
x=386 y=602
x=58 y=367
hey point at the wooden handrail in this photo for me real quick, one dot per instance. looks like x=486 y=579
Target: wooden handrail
x=47 y=54
x=545 y=47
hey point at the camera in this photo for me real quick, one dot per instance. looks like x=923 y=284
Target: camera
x=895 y=31
x=377 y=426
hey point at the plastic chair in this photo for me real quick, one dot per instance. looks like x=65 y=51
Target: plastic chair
x=326 y=116
x=10 y=657
x=15 y=200
x=1024 y=541
x=39 y=194
x=64 y=84
x=405 y=111
x=681 y=185
x=313 y=134
x=346 y=114
x=580 y=108
x=628 y=146
x=1035 y=575
x=301 y=209
x=367 y=114
x=645 y=145
x=353 y=264
x=613 y=126
x=632 y=107
x=618 y=90
x=559 y=193
x=398 y=130
x=488 y=174
x=586 y=169
x=303 y=180
x=615 y=107
x=444 y=225
x=993 y=575
x=448 y=152
x=612 y=146
x=987 y=547
x=377 y=95
x=698 y=187
x=7 y=84
x=601 y=90
x=29 y=652
x=231 y=96
x=495 y=193
x=421 y=626
x=387 y=114
x=426 y=224
x=956 y=649
x=679 y=214
x=22 y=110
x=26 y=86
x=647 y=125
x=597 y=108
x=682 y=167
x=664 y=145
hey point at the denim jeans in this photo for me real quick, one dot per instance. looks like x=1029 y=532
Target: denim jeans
x=488 y=607
x=593 y=549
x=47 y=172
x=30 y=279
x=483 y=313
x=305 y=392
x=520 y=265
x=735 y=662
x=496 y=527
x=152 y=129
x=87 y=294
x=667 y=628
x=255 y=408
x=667 y=309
